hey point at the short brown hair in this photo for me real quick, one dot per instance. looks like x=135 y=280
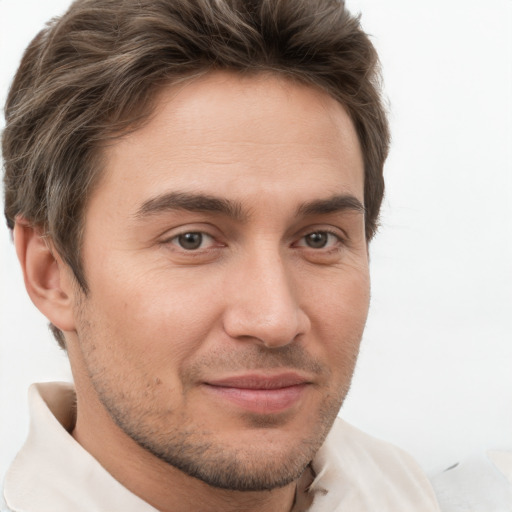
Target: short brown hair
x=92 y=74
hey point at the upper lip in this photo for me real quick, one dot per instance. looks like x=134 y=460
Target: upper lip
x=260 y=381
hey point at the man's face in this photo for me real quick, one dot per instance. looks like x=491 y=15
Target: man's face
x=227 y=266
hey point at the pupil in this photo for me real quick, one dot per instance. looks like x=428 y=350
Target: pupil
x=191 y=240
x=316 y=240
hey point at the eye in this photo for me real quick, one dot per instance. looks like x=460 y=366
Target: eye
x=319 y=240
x=192 y=240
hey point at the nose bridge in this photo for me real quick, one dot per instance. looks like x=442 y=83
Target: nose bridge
x=265 y=305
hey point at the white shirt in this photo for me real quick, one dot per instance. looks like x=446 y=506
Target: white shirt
x=481 y=483
x=53 y=473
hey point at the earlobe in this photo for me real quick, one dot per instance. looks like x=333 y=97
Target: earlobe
x=46 y=275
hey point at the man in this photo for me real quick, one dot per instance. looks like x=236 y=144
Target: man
x=192 y=187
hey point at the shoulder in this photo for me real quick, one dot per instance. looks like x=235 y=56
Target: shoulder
x=477 y=484
x=375 y=475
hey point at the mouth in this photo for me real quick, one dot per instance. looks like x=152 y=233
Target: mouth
x=259 y=393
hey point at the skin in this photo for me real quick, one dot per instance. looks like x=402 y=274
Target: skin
x=276 y=283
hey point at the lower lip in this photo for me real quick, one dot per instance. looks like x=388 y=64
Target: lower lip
x=260 y=401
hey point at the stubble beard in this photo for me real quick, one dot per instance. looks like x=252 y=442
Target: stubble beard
x=193 y=448
x=198 y=454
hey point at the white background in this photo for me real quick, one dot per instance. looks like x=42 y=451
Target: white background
x=435 y=372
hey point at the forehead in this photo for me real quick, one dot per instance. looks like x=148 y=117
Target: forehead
x=224 y=129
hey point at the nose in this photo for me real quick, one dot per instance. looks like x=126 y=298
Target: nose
x=263 y=302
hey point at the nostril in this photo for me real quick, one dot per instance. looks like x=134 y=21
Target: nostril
x=272 y=330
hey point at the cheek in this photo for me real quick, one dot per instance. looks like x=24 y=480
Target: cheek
x=339 y=313
x=153 y=318
x=342 y=296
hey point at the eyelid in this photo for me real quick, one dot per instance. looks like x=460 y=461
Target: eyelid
x=338 y=233
x=171 y=236
x=204 y=238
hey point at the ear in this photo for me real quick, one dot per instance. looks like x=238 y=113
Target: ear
x=47 y=278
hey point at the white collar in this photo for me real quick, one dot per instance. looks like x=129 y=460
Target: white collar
x=52 y=472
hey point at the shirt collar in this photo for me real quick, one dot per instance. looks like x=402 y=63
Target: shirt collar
x=52 y=472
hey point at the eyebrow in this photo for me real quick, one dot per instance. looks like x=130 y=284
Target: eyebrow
x=189 y=202
x=206 y=203
x=333 y=204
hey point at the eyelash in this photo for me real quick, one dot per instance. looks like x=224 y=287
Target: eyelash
x=338 y=239
x=175 y=240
